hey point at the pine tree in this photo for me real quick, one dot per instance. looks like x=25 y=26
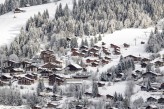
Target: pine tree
x=95 y=91
x=40 y=86
x=86 y=42
x=148 y=86
x=99 y=38
x=55 y=88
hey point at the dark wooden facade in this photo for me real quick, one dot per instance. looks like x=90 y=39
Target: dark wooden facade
x=46 y=73
x=74 y=67
x=47 y=56
x=152 y=100
x=126 y=45
x=56 y=78
x=133 y=57
x=25 y=64
x=25 y=81
x=51 y=66
x=32 y=68
x=31 y=76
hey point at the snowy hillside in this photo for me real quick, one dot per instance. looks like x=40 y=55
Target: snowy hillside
x=81 y=58
x=133 y=37
x=11 y=26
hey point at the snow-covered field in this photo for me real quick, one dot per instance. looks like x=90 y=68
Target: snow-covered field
x=12 y=107
x=119 y=87
x=131 y=36
x=11 y=26
x=2 y=1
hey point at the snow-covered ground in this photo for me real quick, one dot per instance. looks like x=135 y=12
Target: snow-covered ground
x=119 y=87
x=12 y=107
x=10 y=26
x=131 y=36
x=2 y=1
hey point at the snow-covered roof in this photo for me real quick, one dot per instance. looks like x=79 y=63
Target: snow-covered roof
x=76 y=65
x=18 y=69
x=153 y=106
x=7 y=75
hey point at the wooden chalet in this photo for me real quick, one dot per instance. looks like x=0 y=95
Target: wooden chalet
x=107 y=58
x=109 y=97
x=100 y=84
x=56 y=97
x=17 y=71
x=161 y=100
x=25 y=81
x=114 y=46
x=143 y=65
x=162 y=86
x=149 y=74
x=82 y=54
x=31 y=76
x=58 y=62
x=68 y=39
x=6 y=77
x=52 y=58
x=106 y=52
x=142 y=42
x=133 y=57
x=75 y=53
x=96 y=55
x=105 y=61
x=17 y=10
x=46 y=73
x=83 y=47
x=88 y=94
x=103 y=43
x=146 y=60
x=126 y=45
x=74 y=49
x=93 y=50
x=117 y=52
x=51 y=66
x=52 y=105
x=7 y=69
x=84 y=51
x=45 y=1
x=11 y=63
x=73 y=67
x=47 y=56
x=25 y=64
x=120 y=75
x=57 y=70
x=144 y=88
x=81 y=76
x=159 y=63
x=151 y=107
x=2 y=83
x=27 y=5
x=94 y=64
x=134 y=75
x=96 y=46
x=90 y=60
x=151 y=100
x=36 y=107
x=79 y=107
x=138 y=72
x=56 y=78
x=32 y=68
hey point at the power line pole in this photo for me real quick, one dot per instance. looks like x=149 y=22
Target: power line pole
x=135 y=41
